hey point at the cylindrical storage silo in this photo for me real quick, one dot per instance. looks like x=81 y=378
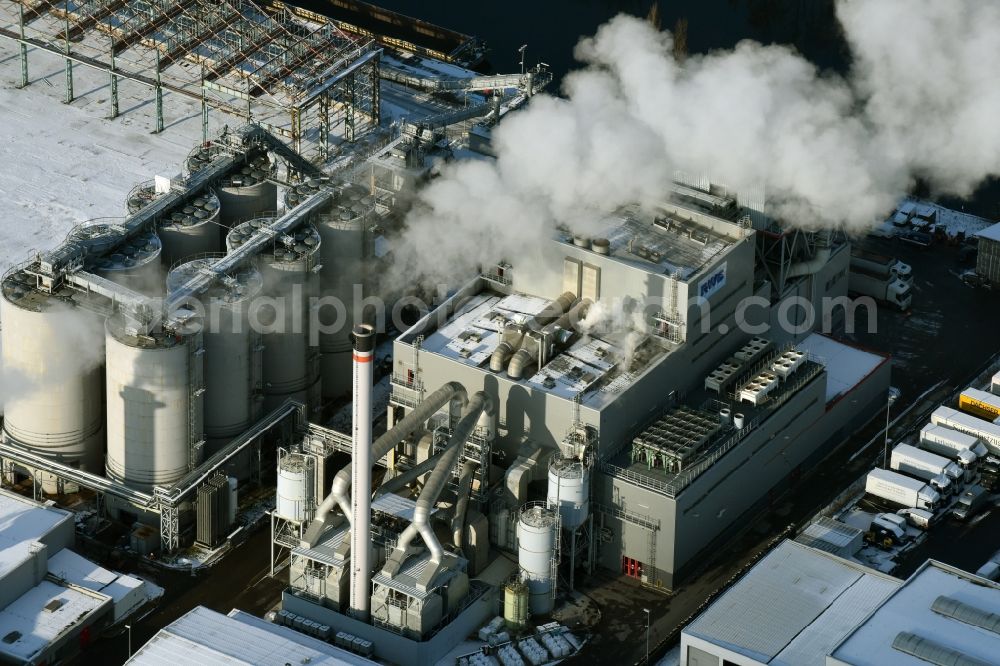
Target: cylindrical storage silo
x=537 y=531
x=569 y=490
x=192 y=230
x=154 y=404
x=132 y=263
x=296 y=496
x=232 y=350
x=55 y=353
x=287 y=263
x=347 y=244
x=515 y=604
x=202 y=156
x=141 y=196
x=246 y=193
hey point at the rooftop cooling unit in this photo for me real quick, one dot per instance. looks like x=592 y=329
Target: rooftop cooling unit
x=787 y=363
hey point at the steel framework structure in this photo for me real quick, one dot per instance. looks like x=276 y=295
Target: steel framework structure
x=300 y=78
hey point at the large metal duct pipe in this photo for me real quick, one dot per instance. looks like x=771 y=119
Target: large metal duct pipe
x=340 y=490
x=556 y=308
x=510 y=342
x=410 y=475
x=462 y=503
x=519 y=363
x=432 y=489
x=363 y=339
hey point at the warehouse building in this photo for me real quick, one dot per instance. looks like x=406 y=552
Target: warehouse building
x=802 y=606
x=53 y=601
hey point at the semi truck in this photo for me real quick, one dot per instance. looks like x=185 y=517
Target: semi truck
x=982 y=404
x=885 y=289
x=988 y=433
x=902 y=490
x=962 y=448
x=879 y=264
x=942 y=474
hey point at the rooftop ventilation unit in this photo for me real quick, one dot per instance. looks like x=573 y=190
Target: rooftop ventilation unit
x=755 y=391
x=787 y=363
x=752 y=350
x=718 y=379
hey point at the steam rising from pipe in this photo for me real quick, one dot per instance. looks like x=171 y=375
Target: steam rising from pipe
x=829 y=151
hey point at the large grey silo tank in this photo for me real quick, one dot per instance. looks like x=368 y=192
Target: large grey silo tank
x=54 y=351
x=232 y=351
x=132 y=263
x=289 y=365
x=154 y=406
x=346 y=247
x=187 y=231
x=246 y=193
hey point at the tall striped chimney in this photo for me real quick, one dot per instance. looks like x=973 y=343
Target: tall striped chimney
x=363 y=338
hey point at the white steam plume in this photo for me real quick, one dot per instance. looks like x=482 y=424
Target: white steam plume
x=921 y=101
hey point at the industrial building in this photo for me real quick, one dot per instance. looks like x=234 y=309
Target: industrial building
x=571 y=444
x=53 y=601
x=203 y=636
x=988 y=258
x=800 y=605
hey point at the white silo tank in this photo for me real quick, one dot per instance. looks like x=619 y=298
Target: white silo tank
x=247 y=193
x=296 y=494
x=232 y=350
x=154 y=406
x=569 y=490
x=132 y=263
x=55 y=352
x=201 y=156
x=537 y=531
x=289 y=364
x=347 y=244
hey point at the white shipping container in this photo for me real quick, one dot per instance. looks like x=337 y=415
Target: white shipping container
x=901 y=489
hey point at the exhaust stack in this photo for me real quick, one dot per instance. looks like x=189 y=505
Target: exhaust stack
x=363 y=337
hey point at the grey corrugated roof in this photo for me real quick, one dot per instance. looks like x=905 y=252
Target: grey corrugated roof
x=992 y=233
x=204 y=637
x=781 y=596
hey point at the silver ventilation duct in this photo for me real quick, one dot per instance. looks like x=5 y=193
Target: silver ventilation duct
x=479 y=403
x=340 y=490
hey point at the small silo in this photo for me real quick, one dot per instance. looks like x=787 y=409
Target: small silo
x=54 y=353
x=569 y=490
x=232 y=350
x=537 y=532
x=202 y=156
x=515 y=603
x=132 y=263
x=154 y=404
x=288 y=263
x=346 y=245
x=247 y=193
x=296 y=494
x=189 y=230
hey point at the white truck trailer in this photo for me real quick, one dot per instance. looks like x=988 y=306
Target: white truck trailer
x=988 y=433
x=942 y=474
x=962 y=448
x=879 y=264
x=902 y=490
x=885 y=289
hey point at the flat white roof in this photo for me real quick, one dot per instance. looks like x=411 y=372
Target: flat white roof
x=792 y=606
x=207 y=638
x=31 y=625
x=23 y=522
x=80 y=571
x=845 y=365
x=909 y=610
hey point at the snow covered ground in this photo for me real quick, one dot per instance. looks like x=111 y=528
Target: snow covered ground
x=918 y=210
x=64 y=164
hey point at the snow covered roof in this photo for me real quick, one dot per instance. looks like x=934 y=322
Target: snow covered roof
x=80 y=571
x=846 y=366
x=929 y=606
x=208 y=638
x=42 y=615
x=793 y=606
x=23 y=522
x=991 y=233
